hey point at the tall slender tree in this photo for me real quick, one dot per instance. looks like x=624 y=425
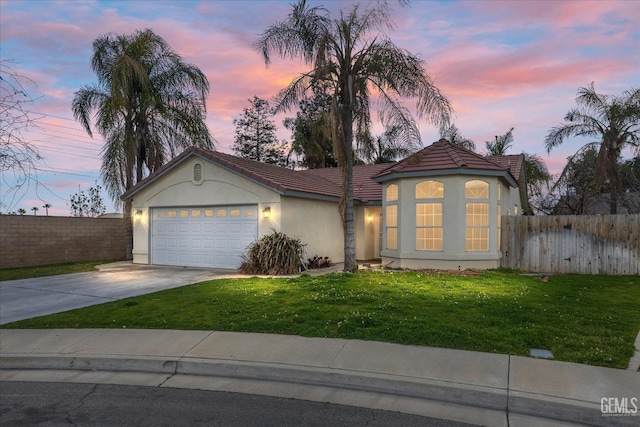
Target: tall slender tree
x=354 y=57
x=256 y=137
x=148 y=104
x=310 y=131
x=613 y=120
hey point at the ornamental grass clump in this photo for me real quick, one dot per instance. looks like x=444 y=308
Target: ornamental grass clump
x=273 y=254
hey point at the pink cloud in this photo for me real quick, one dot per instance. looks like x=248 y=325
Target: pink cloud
x=556 y=14
x=501 y=63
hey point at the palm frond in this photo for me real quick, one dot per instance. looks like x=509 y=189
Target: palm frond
x=297 y=36
x=293 y=93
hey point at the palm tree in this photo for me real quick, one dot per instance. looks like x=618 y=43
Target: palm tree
x=386 y=148
x=501 y=144
x=538 y=179
x=355 y=58
x=47 y=206
x=613 y=120
x=536 y=173
x=453 y=135
x=35 y=210
x=148 y=103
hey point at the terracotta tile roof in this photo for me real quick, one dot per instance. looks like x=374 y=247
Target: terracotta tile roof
x=325 y=183
x=512 y=162
x=445 y=156
x=364 y=188
x=280 y=179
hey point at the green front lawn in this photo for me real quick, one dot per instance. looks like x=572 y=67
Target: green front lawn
x=585 y=319
x=49 y=270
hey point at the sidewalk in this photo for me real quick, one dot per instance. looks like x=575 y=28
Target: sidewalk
x=472 y=387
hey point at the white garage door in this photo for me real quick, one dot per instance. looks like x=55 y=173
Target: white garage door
x=212 y=236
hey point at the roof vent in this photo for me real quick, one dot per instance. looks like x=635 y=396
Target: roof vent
x=197 y=173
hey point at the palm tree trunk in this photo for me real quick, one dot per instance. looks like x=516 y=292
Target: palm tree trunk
x=614 y=154
x=128 y=230
x=350 y=263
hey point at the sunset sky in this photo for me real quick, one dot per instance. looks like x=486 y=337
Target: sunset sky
x=502 y=64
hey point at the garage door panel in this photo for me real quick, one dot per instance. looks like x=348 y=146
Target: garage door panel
x=239 y=244
x=222 y=228
x=215 y=236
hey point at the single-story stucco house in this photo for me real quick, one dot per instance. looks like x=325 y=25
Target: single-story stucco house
x=438 y=208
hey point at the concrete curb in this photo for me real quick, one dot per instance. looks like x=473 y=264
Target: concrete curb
x=466 y=386
x=634 y=363
x=467 y=395
x=494 y=402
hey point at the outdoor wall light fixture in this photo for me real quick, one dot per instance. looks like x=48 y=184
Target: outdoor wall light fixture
x=138 y=214
x=266 y=212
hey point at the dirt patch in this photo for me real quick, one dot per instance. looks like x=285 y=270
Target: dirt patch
x=468 y=272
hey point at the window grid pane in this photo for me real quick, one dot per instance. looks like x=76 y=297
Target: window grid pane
x=477 y=214
x=499 y=226
x=391 y=224
x=429 y=239
x=477 y=230
x=392 y=216
x=392 y=238
x=477 y=239
x=429 y=227
x=476 y=189
x=429 y=214
x=392 y=193
x=429 y=190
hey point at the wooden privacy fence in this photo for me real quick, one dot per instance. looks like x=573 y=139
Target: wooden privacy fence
x=586 y=244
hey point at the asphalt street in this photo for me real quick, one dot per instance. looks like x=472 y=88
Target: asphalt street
x=36 y=403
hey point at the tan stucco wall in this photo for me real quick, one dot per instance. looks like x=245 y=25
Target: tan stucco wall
x=453 y=255
x=316 y=223
x=219 y=187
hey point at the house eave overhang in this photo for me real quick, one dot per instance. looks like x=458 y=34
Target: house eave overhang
x=279 y=189
x=328 y=198
x=314 y=196
x=128 y=195
x=446 y=172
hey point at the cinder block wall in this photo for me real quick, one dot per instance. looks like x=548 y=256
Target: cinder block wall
x=39 y=240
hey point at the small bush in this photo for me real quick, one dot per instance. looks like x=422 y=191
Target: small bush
x=319 y=262
x=273 y=254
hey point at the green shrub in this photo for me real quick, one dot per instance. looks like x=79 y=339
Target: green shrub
x=319 y=262
x=273 y=254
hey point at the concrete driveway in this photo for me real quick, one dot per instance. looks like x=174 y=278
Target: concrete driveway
x=24 y=299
